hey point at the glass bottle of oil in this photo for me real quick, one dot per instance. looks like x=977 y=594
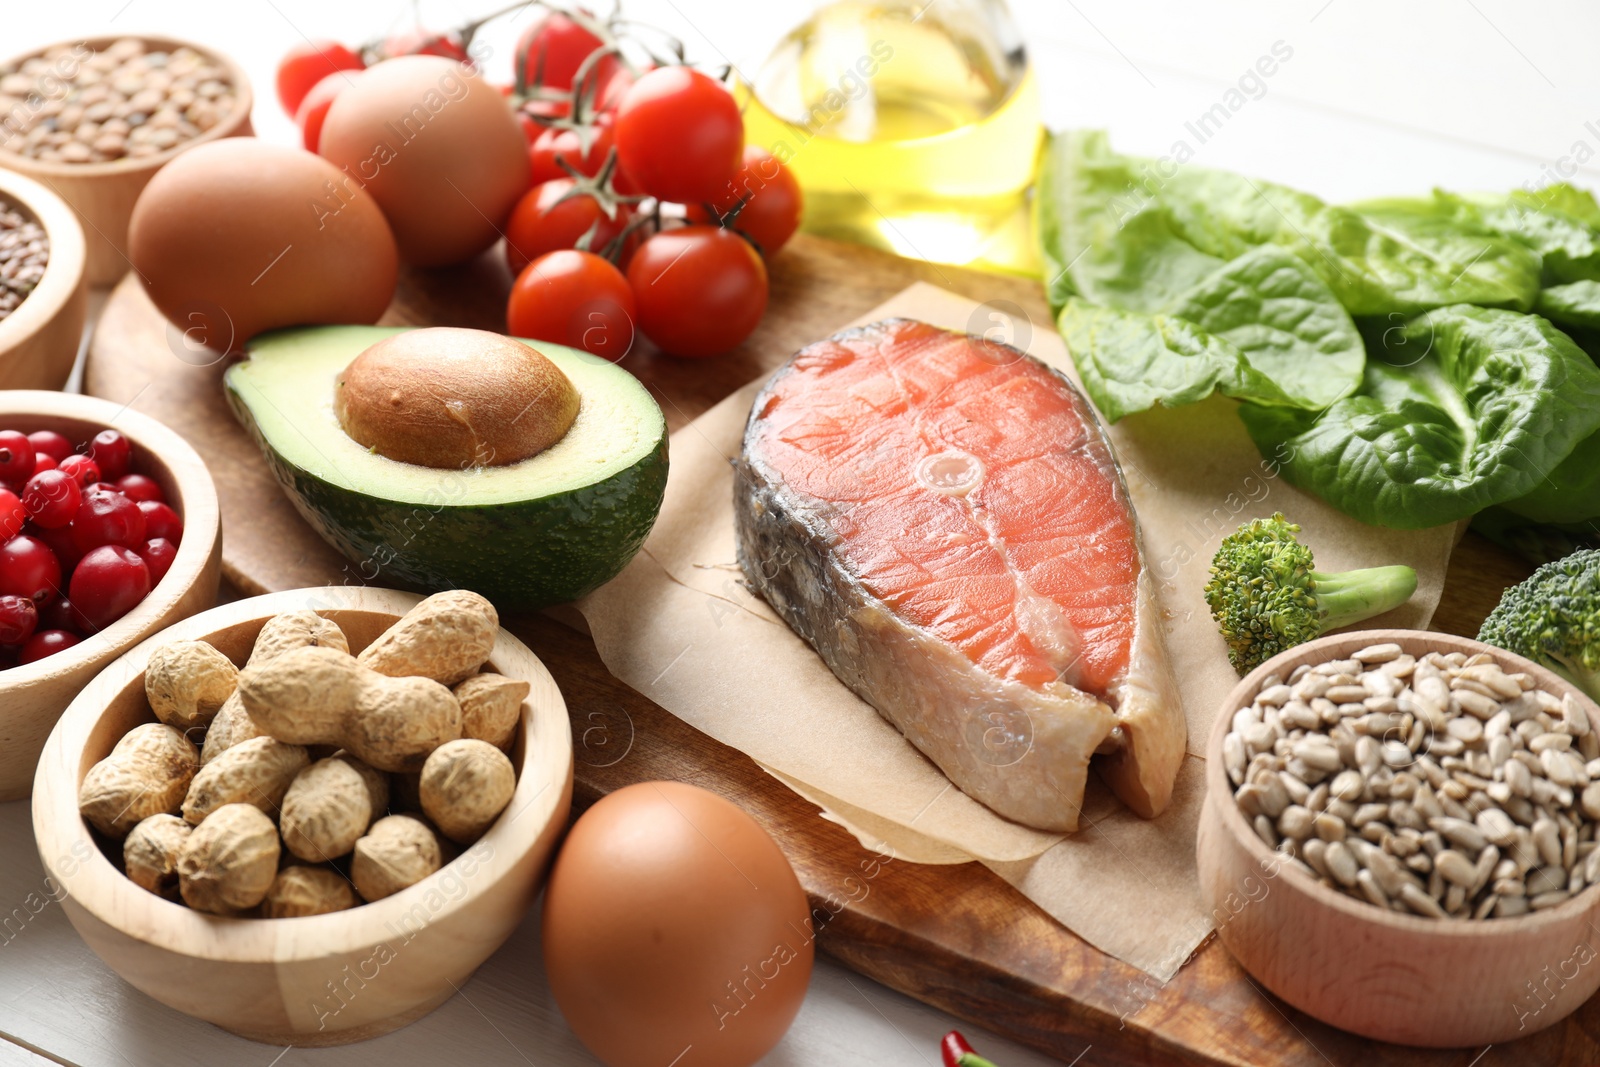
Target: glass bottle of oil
x=912 y=125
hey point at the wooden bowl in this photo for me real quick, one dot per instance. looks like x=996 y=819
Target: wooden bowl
x=33 y=696
x=1375 y=972
x=39 y=340
x=103 y=194
x=325 y=979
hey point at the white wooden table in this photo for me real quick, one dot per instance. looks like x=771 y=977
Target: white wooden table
x=1376 y=97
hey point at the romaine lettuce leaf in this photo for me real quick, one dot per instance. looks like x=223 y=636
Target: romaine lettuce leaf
x=1103 y=237
x=1573 y=304
x=1130 y=361
x=1477 y=408
x=1275 y=309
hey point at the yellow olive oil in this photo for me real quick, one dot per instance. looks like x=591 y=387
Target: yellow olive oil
x=911 y=126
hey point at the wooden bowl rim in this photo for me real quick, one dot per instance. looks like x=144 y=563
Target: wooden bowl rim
x=107 y=893
x=242 y=103
x=1219 y=789
x=198 y=507
x=63 y=271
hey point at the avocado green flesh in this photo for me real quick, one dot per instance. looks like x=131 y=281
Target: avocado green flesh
x=543 y=531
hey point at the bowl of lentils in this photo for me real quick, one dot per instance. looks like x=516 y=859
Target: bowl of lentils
x=43 y=287
x=1399 y=837
x=96 y=118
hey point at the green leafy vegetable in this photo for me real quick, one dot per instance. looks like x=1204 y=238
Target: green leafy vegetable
x=1570 y=493
x=1104 y=237
x=1478 y=408
x=1272 y=306
x=1130 y=361
x=1385 y=259
x=1573 y=304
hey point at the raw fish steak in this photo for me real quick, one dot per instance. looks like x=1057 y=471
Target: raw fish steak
x=941 y=518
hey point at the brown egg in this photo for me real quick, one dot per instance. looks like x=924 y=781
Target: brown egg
x=675 y=931
x=439 y=149
x=239 y=236
x=454 y=398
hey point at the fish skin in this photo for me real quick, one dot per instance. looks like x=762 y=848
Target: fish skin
x=1018 y=744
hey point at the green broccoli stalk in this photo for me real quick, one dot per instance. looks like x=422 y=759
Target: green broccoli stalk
x=1267 y=595
x=1553 y=618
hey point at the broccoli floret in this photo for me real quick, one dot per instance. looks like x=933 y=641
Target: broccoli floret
x=1267 y=595
x=1553 y=618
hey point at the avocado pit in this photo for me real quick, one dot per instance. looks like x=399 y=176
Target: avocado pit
x=453 y=398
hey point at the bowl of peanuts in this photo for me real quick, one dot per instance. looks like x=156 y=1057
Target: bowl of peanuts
x=307 y=817
x=1399 y=837
x=44 y=289
x=95 y=119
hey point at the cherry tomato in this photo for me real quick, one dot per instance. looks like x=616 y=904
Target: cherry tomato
x=306 y=64
x=107 y=583
x=577 y=299
x=700 y=290
x=161 y=521
x=57 y=446
x=531 y=129
x=550 y=51
x=111 y=452
x=679 y=135
x=615 y=87
x=106 y=518
x=52 y=498
x=28 y=568
x=18 y=618
x=158 y=554
x=13 y=513
x=139 y=487
x=47 y=643
x=555 y=144
x=314 y=109
x=425 y=43
x=772 y=202
x=84 y=470
x=16 y=457
x=544 y=222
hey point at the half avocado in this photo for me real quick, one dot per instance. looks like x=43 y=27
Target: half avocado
x=542 y=531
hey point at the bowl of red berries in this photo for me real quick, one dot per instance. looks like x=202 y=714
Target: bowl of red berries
x=109 y=533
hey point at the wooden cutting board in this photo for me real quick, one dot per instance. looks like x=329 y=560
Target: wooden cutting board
x=956 y=937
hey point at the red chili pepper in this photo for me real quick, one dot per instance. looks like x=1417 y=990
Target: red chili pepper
x=957 y=1053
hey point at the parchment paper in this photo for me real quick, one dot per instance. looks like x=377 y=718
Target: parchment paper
x=678 y=626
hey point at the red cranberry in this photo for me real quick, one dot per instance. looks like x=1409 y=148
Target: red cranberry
x=47 y=643
x=18 y=618
x=52 y=499
x=12 y=515
x=60 y=542
x=57 y=446
x=161 y=521
x=28 y=568
x=106 y=518
x=43 y=461
x=16 y=457
x=107 y=583
x=158 y=554
x=61 y=614
x=139 y=487
x=112 y=452
x=84 y=470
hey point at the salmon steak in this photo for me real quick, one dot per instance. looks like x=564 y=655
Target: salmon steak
x=941 y=517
